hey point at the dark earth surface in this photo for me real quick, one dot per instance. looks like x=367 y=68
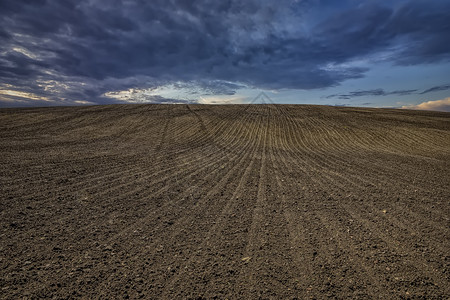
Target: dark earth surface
x=234 y=201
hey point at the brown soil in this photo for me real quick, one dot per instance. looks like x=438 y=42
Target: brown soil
x=242 y=202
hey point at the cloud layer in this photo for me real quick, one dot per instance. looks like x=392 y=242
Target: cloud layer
x=67 y=51
x=376 y=92
x=382 y=92
x=438 y=105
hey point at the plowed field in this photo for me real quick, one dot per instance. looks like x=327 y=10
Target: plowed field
x=234 y=201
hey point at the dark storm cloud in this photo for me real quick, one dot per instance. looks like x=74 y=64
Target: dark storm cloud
x=426 y=24
x=419 y=31
x=90 y=47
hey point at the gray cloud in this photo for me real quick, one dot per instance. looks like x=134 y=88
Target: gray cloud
x=376 y=92
x=437 y=89
x=381 y=92
x=87 y=48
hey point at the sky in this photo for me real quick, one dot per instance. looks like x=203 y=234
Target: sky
x=348 y=52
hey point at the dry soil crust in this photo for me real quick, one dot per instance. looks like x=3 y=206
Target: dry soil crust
x=243 y=202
